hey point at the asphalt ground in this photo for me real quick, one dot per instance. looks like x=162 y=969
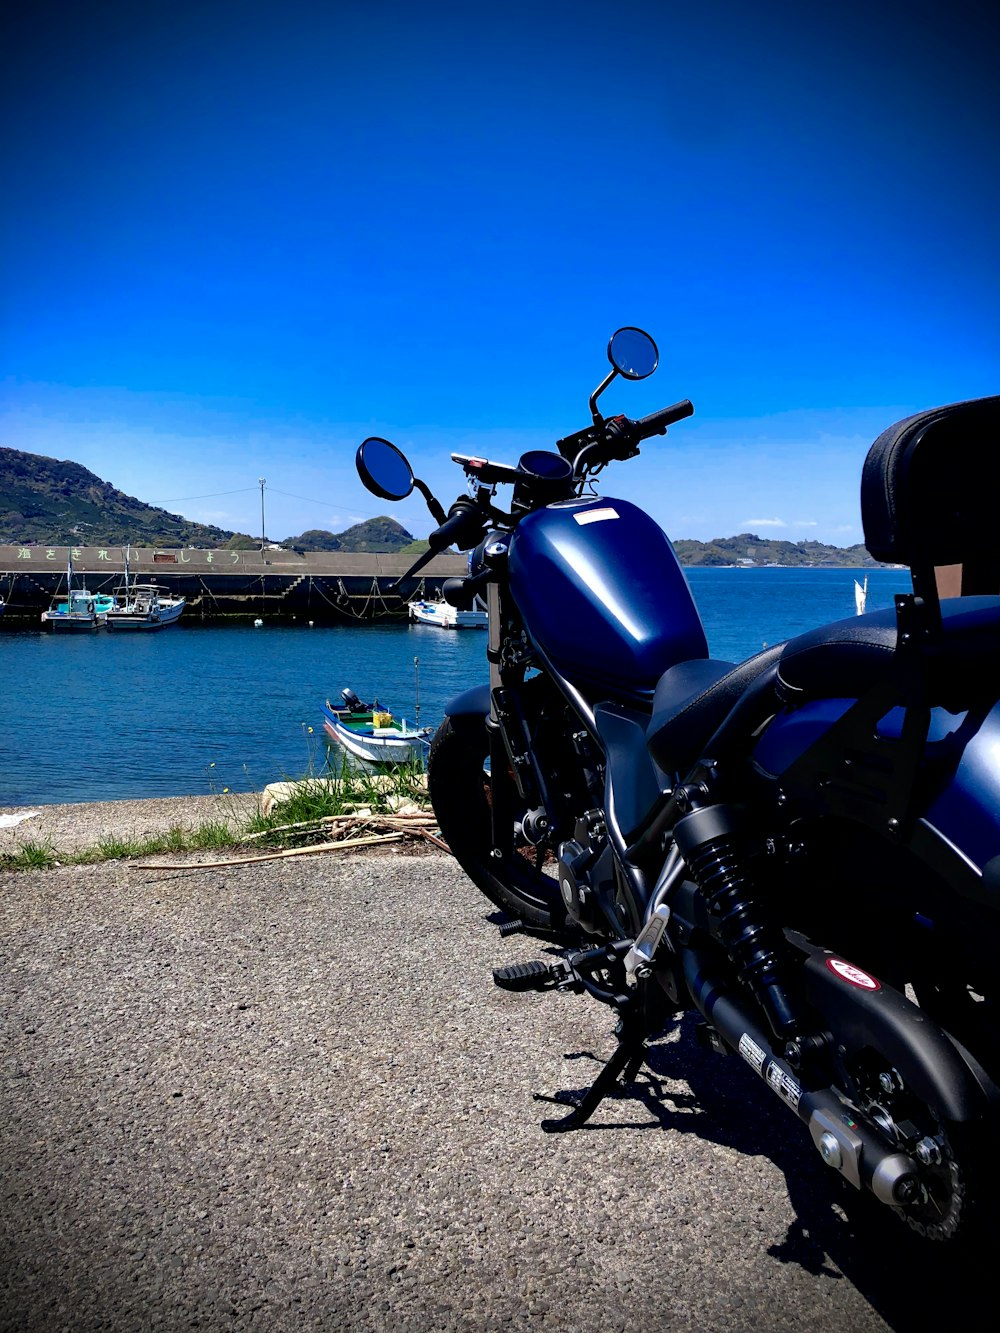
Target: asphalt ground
x=288 y=1095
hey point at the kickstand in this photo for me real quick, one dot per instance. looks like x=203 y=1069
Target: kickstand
x=626 y=1061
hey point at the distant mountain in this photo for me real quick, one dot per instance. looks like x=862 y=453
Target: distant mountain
x=314 y=539
x=63 y=504
x=54 y=503
x=748 y=548
x=382 y=534
x=48 y=502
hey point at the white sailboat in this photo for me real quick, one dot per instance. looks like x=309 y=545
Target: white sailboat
x=860 y=596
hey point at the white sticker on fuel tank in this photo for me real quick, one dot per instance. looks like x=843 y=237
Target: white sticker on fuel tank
x=595 y=515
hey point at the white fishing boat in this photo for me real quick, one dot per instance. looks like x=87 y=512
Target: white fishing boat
x=447 y=616
x=372 y=734
x=143 y=606
x=147 y=607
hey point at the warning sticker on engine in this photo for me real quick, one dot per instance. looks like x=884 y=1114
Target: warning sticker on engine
x=752 y=1053
x=595 y=515
x=783 y=1084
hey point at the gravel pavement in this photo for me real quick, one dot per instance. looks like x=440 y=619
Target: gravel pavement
x=288 y=1095
x=74 y=826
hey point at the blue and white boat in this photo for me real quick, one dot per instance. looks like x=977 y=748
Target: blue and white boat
x=77 y=609
x=373 y=735
x=145 y=607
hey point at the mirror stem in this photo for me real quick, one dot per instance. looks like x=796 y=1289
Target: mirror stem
x=598 y=419
x=437 y=513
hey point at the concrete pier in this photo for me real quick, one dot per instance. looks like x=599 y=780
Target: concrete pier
x=323 y=586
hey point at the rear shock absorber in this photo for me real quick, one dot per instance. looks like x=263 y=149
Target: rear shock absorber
x=712 y=842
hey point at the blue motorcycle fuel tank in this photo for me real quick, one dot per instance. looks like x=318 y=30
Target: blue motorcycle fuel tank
x=603 y=596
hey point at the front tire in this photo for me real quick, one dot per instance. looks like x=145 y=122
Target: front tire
x=461 y=792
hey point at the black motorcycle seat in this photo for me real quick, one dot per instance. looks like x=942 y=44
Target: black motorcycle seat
x=844 y=659
x=692 y=699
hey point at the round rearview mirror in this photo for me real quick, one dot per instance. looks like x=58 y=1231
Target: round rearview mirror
x=383 y=469
x=633 y=353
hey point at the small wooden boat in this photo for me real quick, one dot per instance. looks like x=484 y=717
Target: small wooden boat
x=372 y=734
x=447 y=616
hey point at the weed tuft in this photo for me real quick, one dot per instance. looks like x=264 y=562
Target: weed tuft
x=338 y=788
x=30 y=855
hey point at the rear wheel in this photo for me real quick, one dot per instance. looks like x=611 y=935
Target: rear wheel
x=461 y=790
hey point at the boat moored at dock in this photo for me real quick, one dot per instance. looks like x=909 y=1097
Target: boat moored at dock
x=446 y=616
x=146 y=607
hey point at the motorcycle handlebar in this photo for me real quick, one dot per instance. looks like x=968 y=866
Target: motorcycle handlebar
x=657 y=422
x=465 y=521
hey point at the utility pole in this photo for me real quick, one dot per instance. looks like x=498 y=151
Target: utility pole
x=262 y=537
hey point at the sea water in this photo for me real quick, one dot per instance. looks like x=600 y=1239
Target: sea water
x=197 y=709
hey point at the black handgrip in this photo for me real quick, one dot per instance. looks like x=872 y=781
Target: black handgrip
x=463 y=527
x=657 y=422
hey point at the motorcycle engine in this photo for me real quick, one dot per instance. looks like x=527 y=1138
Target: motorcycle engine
x=584 y=863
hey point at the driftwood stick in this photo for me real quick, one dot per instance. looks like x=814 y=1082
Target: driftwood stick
x=321 y=821
x=430 y=837
x=274 y=856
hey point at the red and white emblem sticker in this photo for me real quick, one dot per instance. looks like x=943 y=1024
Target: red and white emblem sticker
x=854 y=975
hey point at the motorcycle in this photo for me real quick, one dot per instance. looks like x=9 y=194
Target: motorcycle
x=803 y=848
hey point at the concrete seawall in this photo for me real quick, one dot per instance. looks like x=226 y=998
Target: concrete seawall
x=321 y=586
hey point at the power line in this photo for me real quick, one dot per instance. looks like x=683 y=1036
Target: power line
x=327 y=504
x=177 y=499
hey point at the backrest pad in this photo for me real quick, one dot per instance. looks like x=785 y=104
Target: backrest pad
x=930 y=488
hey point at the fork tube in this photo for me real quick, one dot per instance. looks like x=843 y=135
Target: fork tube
x=501 y=808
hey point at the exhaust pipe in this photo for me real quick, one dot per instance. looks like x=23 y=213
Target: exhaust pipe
x=845 y=1143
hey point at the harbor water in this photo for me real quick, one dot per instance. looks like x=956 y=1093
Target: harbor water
x=200 y=709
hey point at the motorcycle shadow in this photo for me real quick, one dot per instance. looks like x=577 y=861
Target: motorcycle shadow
x=835 y=1231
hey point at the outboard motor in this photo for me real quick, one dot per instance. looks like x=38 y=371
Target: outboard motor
x=353 y=702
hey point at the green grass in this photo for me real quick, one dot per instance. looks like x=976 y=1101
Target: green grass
x=30 y=855
x=315 y=798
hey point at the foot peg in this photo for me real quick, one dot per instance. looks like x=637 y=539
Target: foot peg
x=535 y=975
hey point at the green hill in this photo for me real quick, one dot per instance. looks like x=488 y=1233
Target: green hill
x=748 y=548
x=44 y=501
x=57 y=503
x=47 y=502
x=381 y=534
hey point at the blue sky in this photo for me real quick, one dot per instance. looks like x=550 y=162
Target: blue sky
x=239 y=238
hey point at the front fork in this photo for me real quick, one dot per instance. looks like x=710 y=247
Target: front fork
x=511 y=749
